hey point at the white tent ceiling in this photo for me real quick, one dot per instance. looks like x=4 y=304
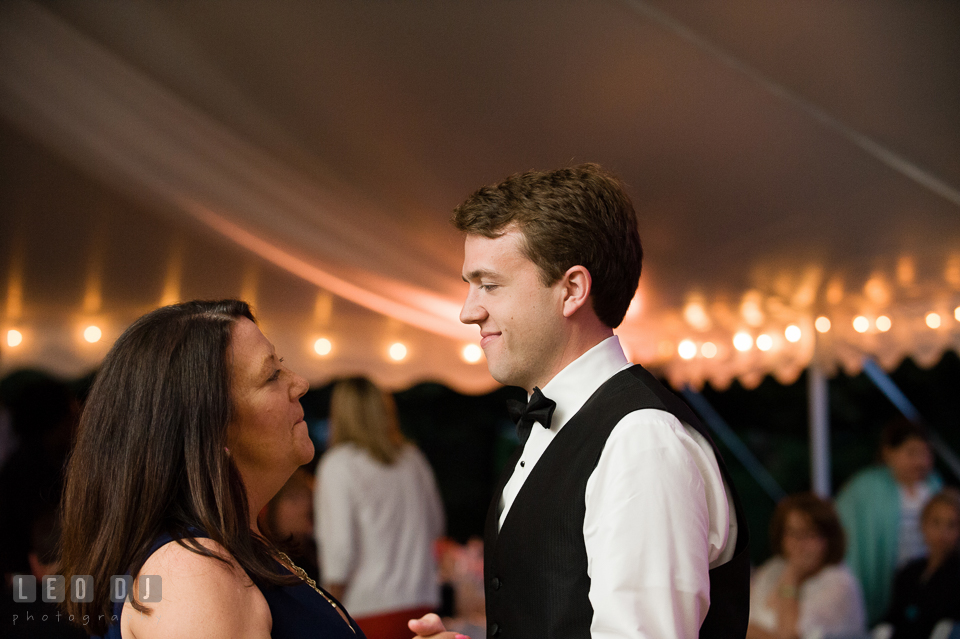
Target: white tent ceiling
x=787 y=160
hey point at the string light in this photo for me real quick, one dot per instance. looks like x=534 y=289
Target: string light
x=764 y=342
x=696 y=316
x=956 y=313
x=884 y=323
x=397 y=351
x=792 y=333
x=708 y=350
x=687 y=349
x=323 y=346
x=14 y=338
x=472 y=353
x=822 y=324
x=92 y=334
x=933 y=320
x=742 y=342
x=861 y=324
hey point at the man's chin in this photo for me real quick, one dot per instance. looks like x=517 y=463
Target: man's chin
x=502 y=376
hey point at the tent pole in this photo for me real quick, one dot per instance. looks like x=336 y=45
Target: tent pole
x=892 y=392
x=819 y=410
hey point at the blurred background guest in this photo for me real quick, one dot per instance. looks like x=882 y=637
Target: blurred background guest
x=880 y=510
x=805 y=590
x=927 y=590
x=289 y=518
x=43 y=414
x=39 y=619
x=378 y=514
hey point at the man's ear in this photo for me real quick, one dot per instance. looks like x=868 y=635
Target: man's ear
x=577 y=285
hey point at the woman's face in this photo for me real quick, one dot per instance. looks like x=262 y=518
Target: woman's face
x=910 y=462
x=803 y=545
x=941 y=529
x=267 y=436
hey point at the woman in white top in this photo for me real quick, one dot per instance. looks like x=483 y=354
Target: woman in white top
x=805 y=590
x=378 y=513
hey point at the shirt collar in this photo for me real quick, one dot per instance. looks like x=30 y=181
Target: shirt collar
x=574 y=385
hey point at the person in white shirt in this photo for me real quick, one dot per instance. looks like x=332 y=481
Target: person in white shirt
x=378 y=514
x=805 y=590
x=615 y=516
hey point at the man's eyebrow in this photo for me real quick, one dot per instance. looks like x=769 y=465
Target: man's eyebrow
x=477 y=274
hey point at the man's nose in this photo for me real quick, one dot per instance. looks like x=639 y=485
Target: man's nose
x=471 y=313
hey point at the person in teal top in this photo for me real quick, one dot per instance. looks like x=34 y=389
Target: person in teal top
x=879 y=508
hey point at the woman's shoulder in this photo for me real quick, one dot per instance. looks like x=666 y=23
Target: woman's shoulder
x=869 y=480
x=346 y=453
x=336 y=458
x=200 y=596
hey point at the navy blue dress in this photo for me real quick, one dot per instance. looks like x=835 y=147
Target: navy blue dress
x=298 y=611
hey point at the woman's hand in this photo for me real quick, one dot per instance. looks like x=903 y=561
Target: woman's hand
x=786 y=600
x=801 y=566
x=430 y=626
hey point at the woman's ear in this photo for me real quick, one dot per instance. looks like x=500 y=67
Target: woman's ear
x=577 y=284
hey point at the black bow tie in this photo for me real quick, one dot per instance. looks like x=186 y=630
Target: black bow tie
x=538 y=409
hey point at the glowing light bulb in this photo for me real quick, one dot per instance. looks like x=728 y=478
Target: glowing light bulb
x=92 y=334
x=696 y=316
x=884 y=323
x=472 y=353
x=822 y=324
x=323 y=346
x=14 y=338
x=397 y=351
x=861 y=324
x=793 y=333
x=687 y=349
x=764 y=342
x=956 y=313
x=742 y=342
x=708 y=350
x=933 y=320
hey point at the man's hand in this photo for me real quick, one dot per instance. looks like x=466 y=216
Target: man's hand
x=430 y=626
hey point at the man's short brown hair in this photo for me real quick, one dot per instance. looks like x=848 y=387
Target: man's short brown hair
x=575 y=216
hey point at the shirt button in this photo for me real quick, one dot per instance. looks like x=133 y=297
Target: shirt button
x=522 y=464
x=495 y=583
x=494 y=630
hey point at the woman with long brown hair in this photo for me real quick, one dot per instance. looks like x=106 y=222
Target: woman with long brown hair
x=192 y=425
x=378 y=513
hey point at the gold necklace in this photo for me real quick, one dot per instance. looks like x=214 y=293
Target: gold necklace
x=302 y=574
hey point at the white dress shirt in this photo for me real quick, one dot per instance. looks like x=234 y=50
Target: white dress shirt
x=658 y=514
x=375 y=529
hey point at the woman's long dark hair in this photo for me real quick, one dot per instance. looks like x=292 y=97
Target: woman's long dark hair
x=150 y=455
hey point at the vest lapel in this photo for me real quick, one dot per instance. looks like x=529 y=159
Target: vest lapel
x=492 y=527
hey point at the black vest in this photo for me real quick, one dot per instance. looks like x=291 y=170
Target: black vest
x=535 y=568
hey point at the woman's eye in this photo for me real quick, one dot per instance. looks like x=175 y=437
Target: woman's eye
x=276 y=373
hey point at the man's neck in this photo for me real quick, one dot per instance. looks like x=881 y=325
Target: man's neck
x=579 y=343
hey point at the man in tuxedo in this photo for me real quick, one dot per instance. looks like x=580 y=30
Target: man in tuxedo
x=615 y=517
